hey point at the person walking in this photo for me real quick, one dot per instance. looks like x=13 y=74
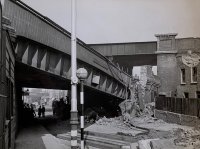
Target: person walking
x=39 y=111
x=32 y=112
x=54 y=106
x=43 y=111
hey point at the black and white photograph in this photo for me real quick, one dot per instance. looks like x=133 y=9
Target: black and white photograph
x=99 y=74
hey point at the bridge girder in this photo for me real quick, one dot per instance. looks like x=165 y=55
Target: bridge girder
x=41 y=59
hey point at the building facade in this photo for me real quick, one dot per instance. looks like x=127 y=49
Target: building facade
x=8 y=113
x=178 y=66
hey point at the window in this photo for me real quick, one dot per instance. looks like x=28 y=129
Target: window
x=186 y=95
x=197 y=94
x=194 y=75
x=182 y=76
x=8 y=104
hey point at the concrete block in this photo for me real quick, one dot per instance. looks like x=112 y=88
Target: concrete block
x=162 y=144
x=134 y=145
x=145 y=144
x=180 y=119
x=161 y=115
x=188 y=120
x=125 y=147
x=197 y=124
x=173 y=118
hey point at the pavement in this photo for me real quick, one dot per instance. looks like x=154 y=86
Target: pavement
x=37 y=137
x=44 y=132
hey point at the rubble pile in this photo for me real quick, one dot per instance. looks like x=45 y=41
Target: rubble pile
x=187 y=138
x=149 y=109
x=183 y=137
x=114 y=122
x=145 y=119
x=133 y=112
x=137 y=113
x=118 y=124
x=142 y=93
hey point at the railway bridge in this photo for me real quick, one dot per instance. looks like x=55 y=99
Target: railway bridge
x=43 y=51
x=36 y=53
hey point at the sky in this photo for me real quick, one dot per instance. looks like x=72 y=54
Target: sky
x=112 y=21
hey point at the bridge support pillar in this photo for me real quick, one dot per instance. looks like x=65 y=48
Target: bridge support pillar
x=167 y=63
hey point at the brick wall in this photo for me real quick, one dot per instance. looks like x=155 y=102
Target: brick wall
x=167 y=63
x=167 y=72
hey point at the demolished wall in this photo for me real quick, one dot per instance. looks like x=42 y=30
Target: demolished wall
x=144 y=89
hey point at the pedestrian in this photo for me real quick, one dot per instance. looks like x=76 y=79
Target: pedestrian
x=54 y=106
x=32 y=112
x=43 y=111
x=39 y=111
x=68 y=107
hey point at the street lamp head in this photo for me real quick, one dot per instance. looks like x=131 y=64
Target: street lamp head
x=82 y=73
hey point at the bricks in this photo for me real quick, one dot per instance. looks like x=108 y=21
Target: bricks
x=176 y=118
x=162 y=144
x=173 y=118
x=134 y=145
x=145 y=144
x=188 y=120
x=161 y=115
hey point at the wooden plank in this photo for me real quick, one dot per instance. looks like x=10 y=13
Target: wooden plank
x=169 y=107
x=179 y=105
x=185 y=106
x=184 y=111
x=198 y=107
x=159 y=103
x=190 y=107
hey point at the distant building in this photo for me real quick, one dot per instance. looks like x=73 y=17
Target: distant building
x=149 y=83
x=44 y=96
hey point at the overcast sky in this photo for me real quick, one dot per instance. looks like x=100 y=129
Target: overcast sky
x=108 y=21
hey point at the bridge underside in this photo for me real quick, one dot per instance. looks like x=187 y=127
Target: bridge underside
x=31 y=77
x=27 y=76
x=128 y=61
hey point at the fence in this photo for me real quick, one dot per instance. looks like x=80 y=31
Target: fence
x=187 y=106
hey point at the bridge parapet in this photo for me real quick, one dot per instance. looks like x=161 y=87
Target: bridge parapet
x=130 y=48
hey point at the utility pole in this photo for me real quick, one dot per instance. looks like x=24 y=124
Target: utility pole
x=74 y=80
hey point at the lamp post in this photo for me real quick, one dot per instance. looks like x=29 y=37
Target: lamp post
x=74 y=80
x=82 y=75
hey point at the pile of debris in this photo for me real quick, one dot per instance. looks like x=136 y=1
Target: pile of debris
x=138 y=112
x=187 y=138
x=119 y=125
x=140 y=101
x=160 y=133
x=114 y=122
